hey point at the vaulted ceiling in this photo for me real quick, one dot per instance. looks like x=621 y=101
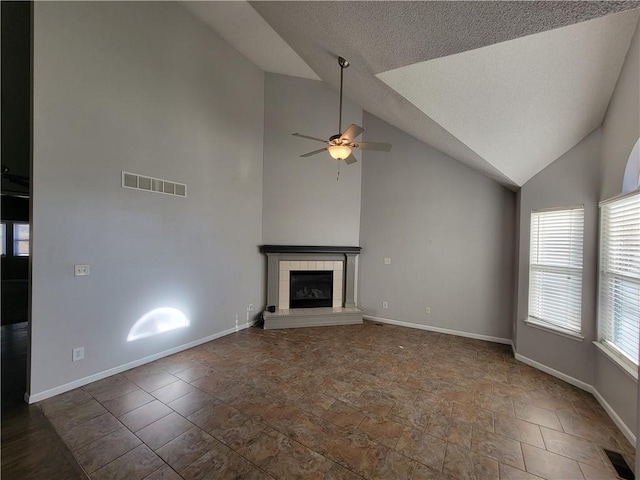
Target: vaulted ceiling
x=504 y=87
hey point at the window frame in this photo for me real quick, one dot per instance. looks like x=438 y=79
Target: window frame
x=605 y=345
x=10 y=239
x=540 y=323
x=15 y=240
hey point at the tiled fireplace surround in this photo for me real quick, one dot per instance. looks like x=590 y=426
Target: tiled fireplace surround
x=336 y=266
x=282 y=259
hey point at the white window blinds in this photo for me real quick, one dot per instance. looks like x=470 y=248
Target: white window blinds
x=619 y=307
x=555 y=267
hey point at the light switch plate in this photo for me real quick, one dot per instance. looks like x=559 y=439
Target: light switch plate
x=387 y=260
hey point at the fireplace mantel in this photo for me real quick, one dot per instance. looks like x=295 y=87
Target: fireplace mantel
x=283 y=258
x=308 y=249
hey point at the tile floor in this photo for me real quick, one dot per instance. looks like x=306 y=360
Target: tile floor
x=351 y=402
x=30 y=447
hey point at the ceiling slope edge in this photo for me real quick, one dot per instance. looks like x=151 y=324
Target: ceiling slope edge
x=245 y=30
x=532 y=98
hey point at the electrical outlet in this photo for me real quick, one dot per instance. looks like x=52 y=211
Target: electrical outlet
x=427 y=310
x=81 y=270
x=250 y=307
x=385 y=304
x=387 y=260
x=77 y=354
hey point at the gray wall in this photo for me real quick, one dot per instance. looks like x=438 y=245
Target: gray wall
x=449 y=232
x=148 y=88
x=621 y=126
x=620 y=131
x=590 y=172
x=571 y=180
x=303 y=204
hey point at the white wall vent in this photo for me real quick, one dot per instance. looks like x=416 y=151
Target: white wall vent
x=150 y=184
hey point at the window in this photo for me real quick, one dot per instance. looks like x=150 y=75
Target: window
x=555 y=269
x=21 y=239
x=619 y=302
x=3 y=233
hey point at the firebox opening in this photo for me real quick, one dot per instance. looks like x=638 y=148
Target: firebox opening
x=310 y=288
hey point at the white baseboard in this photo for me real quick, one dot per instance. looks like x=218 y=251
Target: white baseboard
x=614 y=416
x=458 y=333
x=626 y=431
x=555 y=373
x=127 y=366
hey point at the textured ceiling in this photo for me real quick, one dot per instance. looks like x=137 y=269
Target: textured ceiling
x=469 y=45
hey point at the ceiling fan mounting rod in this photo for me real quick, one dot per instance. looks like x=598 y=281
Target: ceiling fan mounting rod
x=343 y=64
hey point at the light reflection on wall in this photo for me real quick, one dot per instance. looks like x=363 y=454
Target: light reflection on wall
x=157 y=321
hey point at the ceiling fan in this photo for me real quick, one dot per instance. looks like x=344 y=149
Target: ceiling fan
x=340 y=146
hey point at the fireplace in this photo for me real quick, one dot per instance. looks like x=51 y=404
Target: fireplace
x=310 y=288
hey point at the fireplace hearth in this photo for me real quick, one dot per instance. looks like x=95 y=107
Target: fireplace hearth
x=310 y=289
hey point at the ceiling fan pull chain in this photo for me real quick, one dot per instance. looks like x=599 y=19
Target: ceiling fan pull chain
x=338 y=176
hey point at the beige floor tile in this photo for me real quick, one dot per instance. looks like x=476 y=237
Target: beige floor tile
x=460 y=464
x=382 y=463
x=185 y=449
x=343 y=415
x=520 y=430
x=550 y=465
x=192 y=402
x=120 y=405
x=173 y=391
x=164 y=473
x=498 y=447
x=537 y=415
x=598 y=473
x=106 y=449
x=145 y=415
x=135 y=465
x=301 y=463
x=81 y=434
x=424 y=448
x=381 y=430
x=110 y=387
x=164 y=430
x=573 y=447
x=507 y=472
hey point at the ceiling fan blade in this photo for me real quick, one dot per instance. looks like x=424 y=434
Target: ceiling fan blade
x=310 y=138
x=352 y=132
x=350 y=159
x=381 y=147
x=315 y=152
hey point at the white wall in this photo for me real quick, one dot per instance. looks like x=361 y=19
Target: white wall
x=449 y=232
x=303 y=204
x=148 y=88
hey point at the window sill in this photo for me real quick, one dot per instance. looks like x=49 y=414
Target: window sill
x=615 y=357
x=532 y=322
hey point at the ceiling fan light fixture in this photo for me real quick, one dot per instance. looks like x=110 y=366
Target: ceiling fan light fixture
x=339 y=152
